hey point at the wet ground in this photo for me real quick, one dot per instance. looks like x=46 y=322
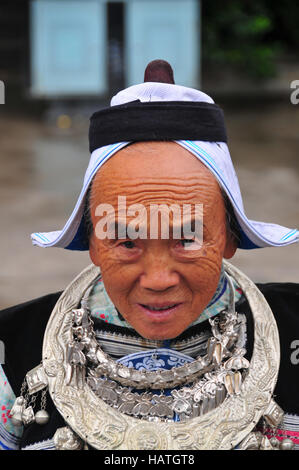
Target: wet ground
x=42 y=168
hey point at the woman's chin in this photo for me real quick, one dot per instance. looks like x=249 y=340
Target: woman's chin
x=160 y=332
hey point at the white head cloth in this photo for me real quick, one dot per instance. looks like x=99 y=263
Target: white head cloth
x=214 y=155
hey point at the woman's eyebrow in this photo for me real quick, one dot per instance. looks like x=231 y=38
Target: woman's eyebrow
x=194 y=227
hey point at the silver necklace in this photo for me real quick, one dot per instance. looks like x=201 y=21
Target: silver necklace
x=105 y=427
x=219 y=376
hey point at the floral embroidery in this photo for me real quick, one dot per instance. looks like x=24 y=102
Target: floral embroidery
x=155 y=359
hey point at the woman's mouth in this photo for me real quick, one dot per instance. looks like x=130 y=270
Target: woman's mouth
x=159 y=311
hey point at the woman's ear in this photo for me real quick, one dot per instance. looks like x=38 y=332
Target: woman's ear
x=93 y=250
x=230 y=246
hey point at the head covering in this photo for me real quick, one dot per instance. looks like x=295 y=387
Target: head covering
x=165 y=111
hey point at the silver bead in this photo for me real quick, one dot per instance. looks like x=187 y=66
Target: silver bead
x=42 y=417
x=16 y=419
x=286 y=444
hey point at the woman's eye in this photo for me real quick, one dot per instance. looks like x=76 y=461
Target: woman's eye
x=128 y=244
x=190 y=244
x=187 y=242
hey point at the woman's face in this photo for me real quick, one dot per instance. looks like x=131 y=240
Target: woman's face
x=158 y=285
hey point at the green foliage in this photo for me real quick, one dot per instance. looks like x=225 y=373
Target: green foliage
x=248 y=36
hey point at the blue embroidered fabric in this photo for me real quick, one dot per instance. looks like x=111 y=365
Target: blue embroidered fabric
x=156 y=359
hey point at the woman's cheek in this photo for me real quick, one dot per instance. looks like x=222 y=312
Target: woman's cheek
x=101 y=257
x=206 y=270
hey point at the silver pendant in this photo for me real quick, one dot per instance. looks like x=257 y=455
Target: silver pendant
x=66 y=439
x=28 y=416
x=17 y=411
x=273 y=414
x=36 y=380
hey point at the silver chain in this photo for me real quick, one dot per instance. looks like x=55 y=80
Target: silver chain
x=43 y=400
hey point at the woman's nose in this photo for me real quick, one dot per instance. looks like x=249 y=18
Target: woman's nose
x=158 y=275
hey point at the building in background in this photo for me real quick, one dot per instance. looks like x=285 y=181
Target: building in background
x=74 y=49
x=44 y=145
x=80 y=50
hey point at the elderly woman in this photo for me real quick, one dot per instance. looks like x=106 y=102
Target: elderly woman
x=161 y=343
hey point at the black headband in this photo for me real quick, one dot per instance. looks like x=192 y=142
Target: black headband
x=157 y=121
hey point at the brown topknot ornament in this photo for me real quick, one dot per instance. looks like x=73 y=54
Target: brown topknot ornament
x=159 y=71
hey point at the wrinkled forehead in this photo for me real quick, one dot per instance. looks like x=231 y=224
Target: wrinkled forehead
x=145 y=171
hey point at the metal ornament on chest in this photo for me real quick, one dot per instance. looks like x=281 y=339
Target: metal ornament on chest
x=110 y=406
x=120 y=386
x=22 y=411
